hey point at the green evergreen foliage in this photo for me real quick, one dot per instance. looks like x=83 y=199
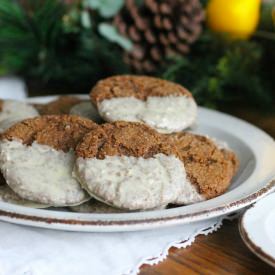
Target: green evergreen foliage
x=219 y=71
x=63 y=45
x=43 y=41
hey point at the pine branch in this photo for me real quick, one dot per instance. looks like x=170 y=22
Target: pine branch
x=219 y=71
x=37 y=41
x=27 y=36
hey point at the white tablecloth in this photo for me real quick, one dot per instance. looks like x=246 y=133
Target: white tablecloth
x=34 y=251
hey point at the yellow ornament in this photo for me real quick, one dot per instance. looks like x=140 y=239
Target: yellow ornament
x=239 y=18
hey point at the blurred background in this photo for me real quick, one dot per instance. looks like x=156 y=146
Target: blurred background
x=221 y=50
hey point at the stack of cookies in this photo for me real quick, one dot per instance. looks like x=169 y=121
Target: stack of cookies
x=125 y=150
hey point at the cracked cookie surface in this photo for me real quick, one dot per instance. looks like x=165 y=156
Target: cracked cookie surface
x=209 y=167
x=131 y=166
x=165 y=106
x=43 y=147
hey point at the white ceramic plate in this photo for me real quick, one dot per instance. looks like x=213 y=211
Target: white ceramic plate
x=257 y=228
x=255 y=149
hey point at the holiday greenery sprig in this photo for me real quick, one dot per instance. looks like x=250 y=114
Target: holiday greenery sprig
x=46 y=41
x=69 y=45
x=219 y=72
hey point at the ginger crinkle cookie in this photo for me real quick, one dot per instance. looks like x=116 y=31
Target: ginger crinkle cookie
x=131 y=166
x=37 y=158
x=60 y=106
x=163 y=105
x=12 y=111
x=209 y=166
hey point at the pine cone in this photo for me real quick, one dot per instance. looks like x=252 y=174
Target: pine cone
x=158 y=29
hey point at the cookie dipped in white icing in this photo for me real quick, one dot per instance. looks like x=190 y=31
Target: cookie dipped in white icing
x=163 y=105
x=37 y=158
x=209 y=166
x=130 y=182
x=130 y=166
x=40 y=173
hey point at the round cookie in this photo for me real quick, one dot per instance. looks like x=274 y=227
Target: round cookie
x=13 y=111
x=208 y=166
x=86 y=109
x=7 y=195
x=130 y=166
x=61 y=106
x=37 y=158
x=94 y=206
x=163 y=105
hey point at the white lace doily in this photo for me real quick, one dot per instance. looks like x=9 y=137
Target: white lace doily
x=33 y=251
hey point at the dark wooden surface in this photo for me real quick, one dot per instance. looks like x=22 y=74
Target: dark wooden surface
x=222 y=252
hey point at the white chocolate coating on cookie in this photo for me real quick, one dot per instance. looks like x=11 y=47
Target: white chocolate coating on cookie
x=189 y=194
x=166 y=114
x=7 y=195
x=14 y=111
x=8 y=122
x=134 y=183
x=40 y=173
x=13 y=108
x=86 y=109
x=121 y=108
